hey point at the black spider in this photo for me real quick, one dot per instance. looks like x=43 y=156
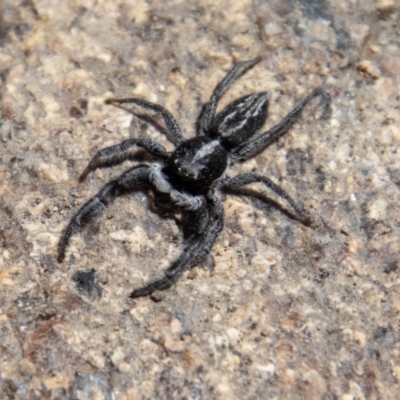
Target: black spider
x=188 y=177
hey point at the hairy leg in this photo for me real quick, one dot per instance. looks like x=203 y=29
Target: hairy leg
x=216 y=224
x=195 y=247
x=114 y=155
x=208 y=113
x=256 y=145
x=171 y=123
x=245 y=179
x=133 y=179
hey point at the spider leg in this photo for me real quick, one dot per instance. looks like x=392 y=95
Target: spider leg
x=216 y=212
x=208 y=113
x=241 y=180
x=114 y=155
x=256 y=145
x=171 y=123
x=205 y=225
x=211 y=233
x=134 y=178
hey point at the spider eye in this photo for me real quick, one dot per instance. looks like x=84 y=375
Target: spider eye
x=202 y=169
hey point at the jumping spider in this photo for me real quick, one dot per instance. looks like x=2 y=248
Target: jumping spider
x=189 y=176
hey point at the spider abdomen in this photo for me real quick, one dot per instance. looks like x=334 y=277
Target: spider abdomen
x=241 y=119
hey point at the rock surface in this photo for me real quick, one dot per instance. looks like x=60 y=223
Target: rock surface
x=288 y=311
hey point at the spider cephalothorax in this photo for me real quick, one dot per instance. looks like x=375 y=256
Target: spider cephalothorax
x=199 y=161
x=189 y=176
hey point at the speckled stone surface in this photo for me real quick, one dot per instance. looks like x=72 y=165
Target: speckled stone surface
x=289 y=311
